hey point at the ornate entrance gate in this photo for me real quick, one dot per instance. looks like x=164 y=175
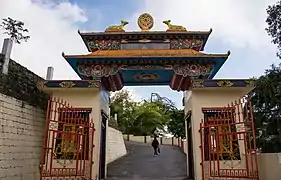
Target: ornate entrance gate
x=228 y=147
x=68 y=143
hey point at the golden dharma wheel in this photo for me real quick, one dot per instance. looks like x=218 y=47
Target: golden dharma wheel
x=145 y=22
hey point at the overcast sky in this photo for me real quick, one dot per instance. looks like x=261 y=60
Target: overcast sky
x=238 y=26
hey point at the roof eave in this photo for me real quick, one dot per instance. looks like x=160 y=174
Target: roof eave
x=205 y=40
x=112 y=57
x=216 y=70
x=85 y=42
x=74 y=69
x=144 y=33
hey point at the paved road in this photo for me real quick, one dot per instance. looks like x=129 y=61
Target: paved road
x=139 y=164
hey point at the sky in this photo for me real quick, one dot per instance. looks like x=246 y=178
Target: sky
x=238 y=26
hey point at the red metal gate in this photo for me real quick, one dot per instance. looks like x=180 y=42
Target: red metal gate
x=68 y=143
x=228 y=147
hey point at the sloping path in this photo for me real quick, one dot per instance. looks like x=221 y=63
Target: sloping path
x=139 y=164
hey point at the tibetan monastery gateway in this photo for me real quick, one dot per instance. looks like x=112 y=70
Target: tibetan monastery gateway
x=219 y=122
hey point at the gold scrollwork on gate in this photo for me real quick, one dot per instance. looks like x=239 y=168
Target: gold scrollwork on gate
x=225 y=83
x=65 y=152
x=229 y=146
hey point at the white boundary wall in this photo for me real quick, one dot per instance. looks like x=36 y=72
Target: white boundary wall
x=21 y=139
x=115 y=145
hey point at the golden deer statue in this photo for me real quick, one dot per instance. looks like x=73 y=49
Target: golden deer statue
x=173 y=27
x=117 y=28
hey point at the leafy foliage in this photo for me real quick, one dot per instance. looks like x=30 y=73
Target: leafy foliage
x=176 y=125
x=274 y=25
x=266 y=101
x=123 y=105
x=14 y=29
x=112 y=123
x=147 y=117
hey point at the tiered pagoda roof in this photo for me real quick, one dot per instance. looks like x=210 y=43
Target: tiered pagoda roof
x=147 y=36
x=173 y=57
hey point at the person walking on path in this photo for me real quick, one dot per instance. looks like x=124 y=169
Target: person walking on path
x=155 y=145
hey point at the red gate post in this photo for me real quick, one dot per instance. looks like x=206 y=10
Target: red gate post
x=92 y=146
x=68 y=142
x=202 y=151
x=253 y=135
x=227 y=136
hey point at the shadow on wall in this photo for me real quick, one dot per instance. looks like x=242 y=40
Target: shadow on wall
x=115 y=145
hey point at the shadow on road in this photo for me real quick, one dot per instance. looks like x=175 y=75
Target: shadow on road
x=140 y=163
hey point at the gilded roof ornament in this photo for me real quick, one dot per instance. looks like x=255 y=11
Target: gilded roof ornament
x=197 y=83
x=67 y=84
x=41 y=84
x=225 y=83
x=145 y=22
x=96 y=83
x=117 y=28
x=174 y=27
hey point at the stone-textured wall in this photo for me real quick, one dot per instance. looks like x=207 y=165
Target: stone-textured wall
x=115 y=145
x=21 y=123
x=21 y=139
x=269 y=166
x=21 y=84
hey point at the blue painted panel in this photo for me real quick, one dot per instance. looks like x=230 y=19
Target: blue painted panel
x=214 y=83
x=105 y=95
x=137 y=59
x=164 y=75
x=146 y=83
x=240 y=83
x=218 y=62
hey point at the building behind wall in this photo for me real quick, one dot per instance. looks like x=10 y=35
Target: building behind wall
x=22 y=120
x=221 y=137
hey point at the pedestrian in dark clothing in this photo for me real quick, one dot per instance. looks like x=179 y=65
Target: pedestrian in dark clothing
x=155 y=145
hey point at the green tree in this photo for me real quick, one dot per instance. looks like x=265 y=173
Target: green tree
x=266 y=101
x=274 y=25
x=14 y=29
x=147 y=117
x=123 y=105
x=176 y=124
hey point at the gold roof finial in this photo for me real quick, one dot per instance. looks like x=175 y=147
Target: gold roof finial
x=117 y=28
x=174 y=27
x=145 y=22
